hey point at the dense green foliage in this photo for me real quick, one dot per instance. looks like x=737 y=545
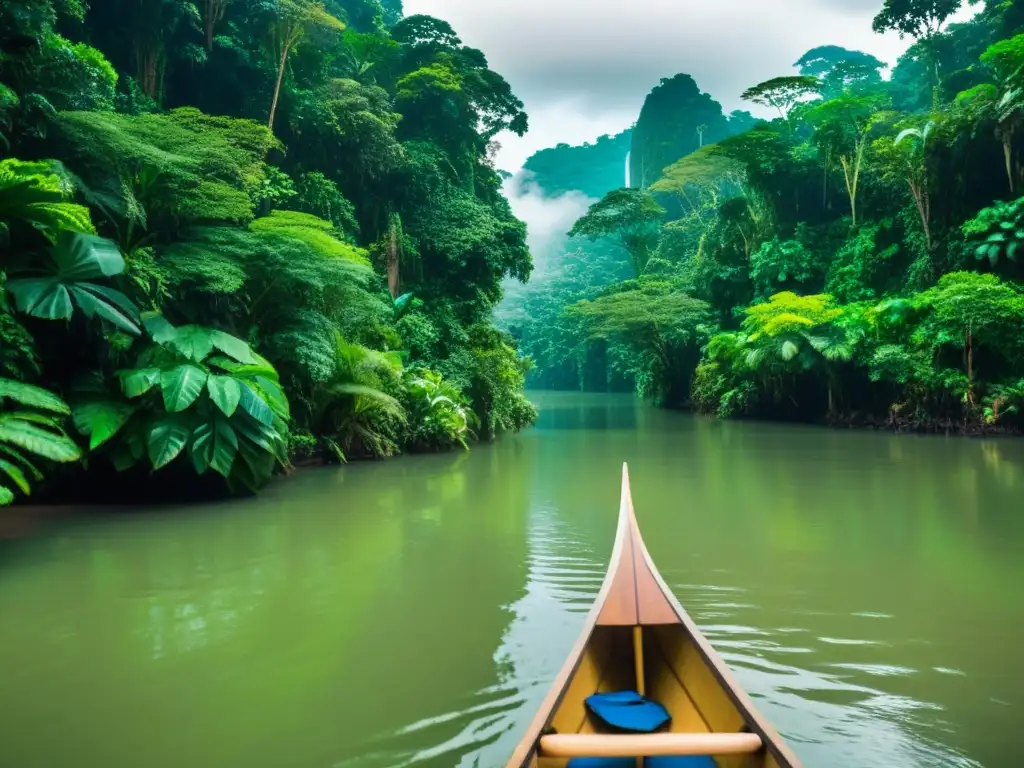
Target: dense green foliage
x=563 y=356
x=236 y=234
x=855 y=259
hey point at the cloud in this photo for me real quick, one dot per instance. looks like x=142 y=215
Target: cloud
x=855 y=6
x=548 y=219
x=599 y=58
x=570 y=120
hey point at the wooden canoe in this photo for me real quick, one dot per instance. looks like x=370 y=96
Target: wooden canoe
x=638 y=637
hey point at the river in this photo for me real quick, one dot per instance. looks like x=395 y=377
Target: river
x=865 y=588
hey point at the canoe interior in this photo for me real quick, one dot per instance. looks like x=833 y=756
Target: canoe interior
x=676 y=676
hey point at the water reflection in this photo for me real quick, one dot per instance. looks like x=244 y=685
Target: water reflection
x=412 y=613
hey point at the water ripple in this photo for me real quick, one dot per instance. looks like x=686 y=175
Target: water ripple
x=836 y=713
x=879 y=670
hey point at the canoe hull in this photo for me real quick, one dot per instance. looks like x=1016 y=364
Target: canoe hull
x=638 y=637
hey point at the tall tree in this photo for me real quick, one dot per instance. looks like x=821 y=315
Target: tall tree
x=820 y=61
x=906 y=158
x=292 y=20
x=841 y=69
x=631 y=215
x=923 y=20
x=782 y=93
x=448 y=94
x=142 y=38
x=213 y=14
x=1006 y=57
x=842 y=128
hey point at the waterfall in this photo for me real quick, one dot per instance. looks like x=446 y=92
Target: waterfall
x=627 y=169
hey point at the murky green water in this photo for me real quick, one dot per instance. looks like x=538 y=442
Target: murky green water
x=865 y=588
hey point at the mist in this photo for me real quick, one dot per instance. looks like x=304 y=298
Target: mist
x=548 y=219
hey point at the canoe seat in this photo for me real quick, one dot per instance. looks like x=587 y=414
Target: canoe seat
x=664 y=761
x=627 y=711
x=648 y=745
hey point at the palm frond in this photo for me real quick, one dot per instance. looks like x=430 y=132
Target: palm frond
x=32 y=396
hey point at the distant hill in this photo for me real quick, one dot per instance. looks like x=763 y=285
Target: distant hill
x=677 y=118
x=592 y=169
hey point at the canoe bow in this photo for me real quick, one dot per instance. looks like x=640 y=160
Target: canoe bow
x=634 y=594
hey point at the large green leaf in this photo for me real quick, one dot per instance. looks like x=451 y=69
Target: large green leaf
x=215 y=446
x=167 y=438
x=261 y=368
x=20 y=457
x=87 y=257
x=43 y=297
x=253 y=404
x=77 y=258
x=131 y=448
x=255 y=467
x=234 y=348
x=193 y=341
x=382 y=399
x=32 y=396
x=34 y=439
x=100 y=421
x=85 y=296
x=402 y=304
x=271 y=392
x=138 y=382
x=158 y=327
x=181 y=386
x=16 y=475
x=6 y=497
x=34 y=193
x=225 y=447
x=56 y=422
x=267 y=438
x=200 y=450
x=225 y=392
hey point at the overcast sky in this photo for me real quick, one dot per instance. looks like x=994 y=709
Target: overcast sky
x=583 y=67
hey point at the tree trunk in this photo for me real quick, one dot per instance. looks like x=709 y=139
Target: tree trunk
x=1008 y=155
x=925 y=221
x=923 y=210
x=149 y=69
x=277 y=86
x=824 y=184
x=969 y=357
x=851 y=188
x=393 y=260
x=208 y=22
x=215 y=10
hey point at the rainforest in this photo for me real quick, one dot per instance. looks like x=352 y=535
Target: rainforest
x=852 y=258
x=240 y=236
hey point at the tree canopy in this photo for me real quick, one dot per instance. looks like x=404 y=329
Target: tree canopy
x=859 y=255
x=236 y=236
x=782 y=93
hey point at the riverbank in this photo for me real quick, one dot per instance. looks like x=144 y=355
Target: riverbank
x=107 y=490
x=894 y=423
x=947 y=427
